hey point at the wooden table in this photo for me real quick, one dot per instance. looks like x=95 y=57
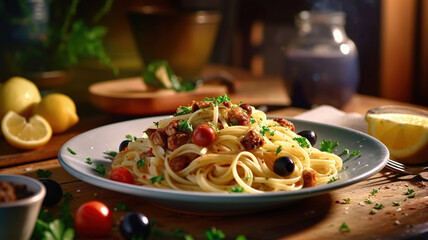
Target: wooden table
x=318 y=217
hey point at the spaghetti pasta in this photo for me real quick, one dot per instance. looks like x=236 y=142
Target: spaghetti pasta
x=178 y=152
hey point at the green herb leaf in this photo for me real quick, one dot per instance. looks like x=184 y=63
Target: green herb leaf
x=218 y=100
x=141 y=162
x=43 y=173
x=111 y=153
x=344 y=228
x=333 y=179
x=410 y=193
x=122 y=207
x=396 y=203
x=236 y=189
x=354 y=153
x=214 y=234
x=71 y=151
x=347 y=200
x=378 y=206
x=374 y=191
x=183 y=110
x=100 y=169
x=89 y=160
x=185 y=126
x=302 y=141
x=368 y=200
x=328 y=145
x=156 y=179
x=264 y=130
x=344 y=152
x=278 y=150
x=159 y=73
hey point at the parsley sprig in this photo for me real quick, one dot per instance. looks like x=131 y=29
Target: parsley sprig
x=328 y=145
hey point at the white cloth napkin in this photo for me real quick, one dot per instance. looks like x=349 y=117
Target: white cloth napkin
x=331 y=115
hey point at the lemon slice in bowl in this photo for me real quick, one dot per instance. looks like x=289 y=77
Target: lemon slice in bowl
x=24 y=134
x=404 y=134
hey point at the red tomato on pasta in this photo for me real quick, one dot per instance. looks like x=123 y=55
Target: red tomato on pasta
x=121 y=175
x=93 y=219
x=203 y=135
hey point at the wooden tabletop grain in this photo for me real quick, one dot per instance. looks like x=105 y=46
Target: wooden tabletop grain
x=318 y=217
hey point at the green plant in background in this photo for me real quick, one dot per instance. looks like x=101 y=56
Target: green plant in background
x=68 y=39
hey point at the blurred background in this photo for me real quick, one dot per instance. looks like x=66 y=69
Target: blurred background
x=391 y=37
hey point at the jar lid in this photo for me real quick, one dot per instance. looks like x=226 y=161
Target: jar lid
x=321 y=17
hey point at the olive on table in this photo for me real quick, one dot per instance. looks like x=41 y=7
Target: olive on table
x=123 y=145
x=283 y=166
x=135 y=225
x=310 y=135
x=53 y=192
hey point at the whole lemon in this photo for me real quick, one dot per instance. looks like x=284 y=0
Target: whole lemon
x=59 y=110
x=19 y=95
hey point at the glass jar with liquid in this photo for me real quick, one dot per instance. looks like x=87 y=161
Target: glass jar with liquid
x=321 y=63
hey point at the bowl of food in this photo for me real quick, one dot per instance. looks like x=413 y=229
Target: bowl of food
x=21 y=198
x=403 y=130
x=184 y=39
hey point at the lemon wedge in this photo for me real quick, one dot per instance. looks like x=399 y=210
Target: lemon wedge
x=405 y=135
x=24 y=134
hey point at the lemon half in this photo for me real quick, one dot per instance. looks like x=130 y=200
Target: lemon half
x=24 y=134
x=405 y=135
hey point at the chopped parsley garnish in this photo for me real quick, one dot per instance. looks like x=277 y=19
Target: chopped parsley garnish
x=71 y=151
x=182 y=110
x=252 y=119
x=100 y=169
x=373 y=192
x=328 y=145
x=344 y=228
x=354 y=153
x=156 y=124
x=333 y=179
x=264 y=130
x=344 y=152
x=111 y=153
x=156 y=179
x=368 y=200
x=236 y=189
x=217 y=100
x=214 y=234
x=347 y=200
x=122 y=207
x=185 y=126
x=378 y=206
x=67 y=196
x=302 y=141
x=131 y=138
x=141 y=162
x=43 y=173
x=373 y=211
x=396 y=203
x=278 y=150
x=89 y=160
x=410 y=193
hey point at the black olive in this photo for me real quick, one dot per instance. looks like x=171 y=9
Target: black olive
x=53 y=192
x=123 y=145
x=135 y=225
x=310 y=135
x=283 y=166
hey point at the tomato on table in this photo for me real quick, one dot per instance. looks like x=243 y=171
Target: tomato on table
x=93 y=219
x=121 y=174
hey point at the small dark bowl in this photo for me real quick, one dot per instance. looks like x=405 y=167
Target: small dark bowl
x=18 y=218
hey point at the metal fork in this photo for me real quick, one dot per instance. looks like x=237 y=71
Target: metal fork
x=399 y=167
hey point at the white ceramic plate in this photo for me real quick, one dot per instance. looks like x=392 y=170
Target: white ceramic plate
x=94 y=143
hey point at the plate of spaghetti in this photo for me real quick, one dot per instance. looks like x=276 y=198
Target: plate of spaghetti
x=217 y=157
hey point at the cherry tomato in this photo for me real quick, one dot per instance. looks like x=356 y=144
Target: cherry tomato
x=93 y=219
x=203 y=135
x=121 y=175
